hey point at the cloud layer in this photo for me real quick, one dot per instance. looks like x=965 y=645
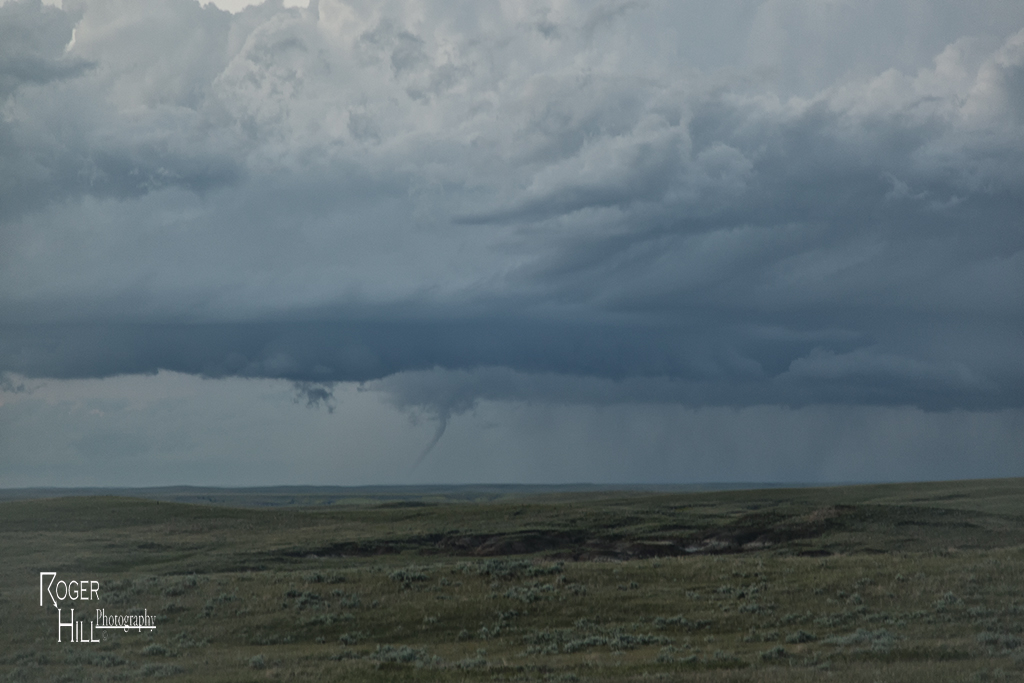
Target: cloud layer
x=778 y=202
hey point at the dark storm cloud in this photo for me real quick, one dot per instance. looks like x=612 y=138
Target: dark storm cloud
x=523 y=202
x=526 y=360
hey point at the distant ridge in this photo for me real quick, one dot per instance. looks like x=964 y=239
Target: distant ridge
x=290 y=496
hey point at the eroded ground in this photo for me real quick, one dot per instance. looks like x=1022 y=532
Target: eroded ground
x=899 y=583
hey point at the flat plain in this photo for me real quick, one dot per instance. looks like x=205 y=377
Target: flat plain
x=905 y=582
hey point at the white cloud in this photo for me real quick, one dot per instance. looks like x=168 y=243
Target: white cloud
x=236 y=6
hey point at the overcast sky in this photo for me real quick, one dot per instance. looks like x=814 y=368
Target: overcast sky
x=420 y=241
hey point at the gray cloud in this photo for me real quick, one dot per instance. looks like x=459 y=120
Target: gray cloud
x=315 y=394
x=11 y=385
x=33 y=39
x=539 y=202
x=66 y=135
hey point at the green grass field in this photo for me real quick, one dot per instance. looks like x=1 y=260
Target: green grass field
x=921 y=582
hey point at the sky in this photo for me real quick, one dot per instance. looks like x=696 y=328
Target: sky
x=542 y=241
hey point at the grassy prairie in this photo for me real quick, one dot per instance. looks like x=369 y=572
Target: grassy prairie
x=921 y=582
